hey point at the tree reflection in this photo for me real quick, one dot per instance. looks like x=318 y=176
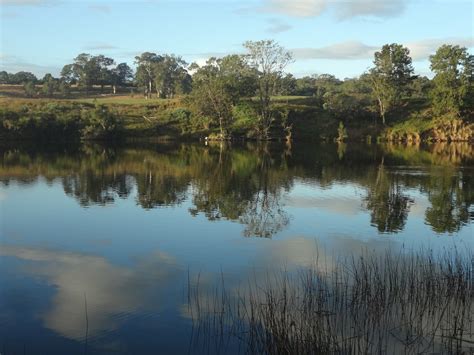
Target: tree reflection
x=91 y=188
x=451 y=196
x=160 y=190
x=247 y=184
x=388 y=204
x=243 y=187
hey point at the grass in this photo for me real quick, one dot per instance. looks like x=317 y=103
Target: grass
x=125 y=100
x=394 y=303
x=309 y=121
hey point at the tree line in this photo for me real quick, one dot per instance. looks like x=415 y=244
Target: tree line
x=214 y=90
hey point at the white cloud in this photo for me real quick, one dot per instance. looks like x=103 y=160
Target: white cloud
x=342 y=50
x=371 y=8
x=422 y=49
x=343 y=9
x=13 y=64
x=349 y=50
x=277 y=26
x=100 y=8
x=100 y=46
x=296 y=8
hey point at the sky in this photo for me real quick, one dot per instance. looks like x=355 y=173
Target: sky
x=325 y=36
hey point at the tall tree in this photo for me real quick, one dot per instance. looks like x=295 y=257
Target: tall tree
x=4 y=77
x=84 y=71
x=121 y=75
x=88 y=70
x=391 y=76
x=287 y=85
x=145 y=75
x=22 y=77
x=239 y=77
x=211 y=95
x=170 y=76
x=67 y=74
x=50 y=85
x=30 y=88
x=454 y=79
x=269 y=60
x=103 y=67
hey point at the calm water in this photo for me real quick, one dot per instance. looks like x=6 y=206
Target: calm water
x=96 y=243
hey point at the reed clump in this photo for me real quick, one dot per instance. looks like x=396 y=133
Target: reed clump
x=391 y=303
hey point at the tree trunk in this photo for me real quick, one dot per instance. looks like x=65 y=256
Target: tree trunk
x=382 y=110
x=114 y=87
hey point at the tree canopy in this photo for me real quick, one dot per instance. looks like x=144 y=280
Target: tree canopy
x=391 y=76
x=454 y=79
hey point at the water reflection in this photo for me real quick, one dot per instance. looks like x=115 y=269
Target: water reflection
x=250 y=183
x=388 y=204
x=92 y=295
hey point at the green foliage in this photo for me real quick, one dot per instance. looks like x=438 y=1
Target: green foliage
x=269 y=60
x=121 y=75
x=341 y=105
x=286 y=85
x=145 y=75
x=182 y=118
x=21 y=77
x=4 y=77
x=420 y=87
x=88 y=70
x=100 y=123
x=171 y=77
x=245 y=119
x=56 y=121
x=454 y=79
x=50 y=85
x=30 y=89
x=64 y=88
x=391 y=76
x=213 y=95
x=250 y=95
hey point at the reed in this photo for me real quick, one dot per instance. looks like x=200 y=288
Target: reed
x=392 y=303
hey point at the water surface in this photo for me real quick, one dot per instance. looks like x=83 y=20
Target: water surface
x=97 y=242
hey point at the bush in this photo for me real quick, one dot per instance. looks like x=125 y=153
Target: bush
x=100 y=123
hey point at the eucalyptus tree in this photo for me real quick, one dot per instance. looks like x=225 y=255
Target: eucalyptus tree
x=269 y=60
x=103 y=66
x=67 y=74
x=50 y=85
x=287 y=85
x=88 y=70
x=145 y=75
x=30 y=88
x=4 y=77
x=454 y=79
x=22 y=77
x=239 y=77
x=82 y=70
x=121 y=75
x=171 y=76
x=211 y=96
x=391 y=76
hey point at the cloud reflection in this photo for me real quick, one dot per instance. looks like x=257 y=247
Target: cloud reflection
x=112 y=291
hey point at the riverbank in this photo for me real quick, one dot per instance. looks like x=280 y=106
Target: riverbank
x=296 y=118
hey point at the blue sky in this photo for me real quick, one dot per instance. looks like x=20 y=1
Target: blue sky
x=325 y=36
